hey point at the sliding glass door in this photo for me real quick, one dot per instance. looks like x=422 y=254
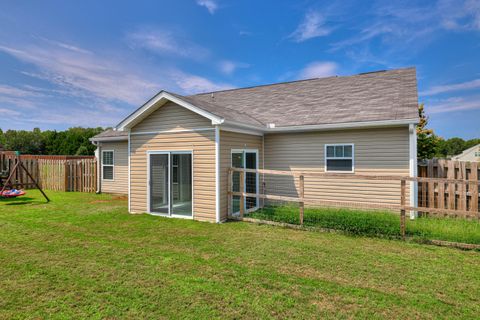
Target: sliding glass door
x=170 y=183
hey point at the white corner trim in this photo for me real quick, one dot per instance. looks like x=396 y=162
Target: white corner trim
x=128 y=157
x=150 y=106
x=413 y=168
x=217 y=174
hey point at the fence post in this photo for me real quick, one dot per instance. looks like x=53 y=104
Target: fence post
x=302 y=194
x=229 y=193
x=402 y=208
x=242 y=191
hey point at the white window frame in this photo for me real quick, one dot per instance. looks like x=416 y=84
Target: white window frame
x=257 y=187
x=325 y=157
x=109 y=165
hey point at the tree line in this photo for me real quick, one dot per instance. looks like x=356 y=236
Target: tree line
x=429 y=145
x=73 y=141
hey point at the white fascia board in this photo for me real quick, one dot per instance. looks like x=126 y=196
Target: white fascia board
x=150 y=106
x=346 y=125
x=109 y=139
x=231 y=126
x=239 y=129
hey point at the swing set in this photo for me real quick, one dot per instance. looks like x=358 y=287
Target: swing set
x=13 y=185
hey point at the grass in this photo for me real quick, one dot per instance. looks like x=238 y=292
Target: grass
x=376 y=223
x=83 y=256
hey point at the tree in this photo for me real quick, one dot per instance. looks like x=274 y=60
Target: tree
x=426 y=140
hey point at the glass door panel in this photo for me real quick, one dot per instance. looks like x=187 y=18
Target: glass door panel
x=159 y=183
x=181 y=169
x=237 y=162
x=250 y=179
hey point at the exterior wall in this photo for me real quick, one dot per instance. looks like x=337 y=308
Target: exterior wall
x=171 y=118
x=472 y=155
x=376 y=152
x=119 y=184
x=228 y=141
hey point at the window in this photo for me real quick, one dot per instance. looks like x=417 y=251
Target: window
x=477 y=154
x=107 y=165
x=339 y=158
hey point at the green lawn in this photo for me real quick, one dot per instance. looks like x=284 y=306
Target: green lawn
x=377 y=223
x=83 y=256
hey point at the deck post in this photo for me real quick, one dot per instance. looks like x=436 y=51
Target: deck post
x=301 y=194
x=402 y=208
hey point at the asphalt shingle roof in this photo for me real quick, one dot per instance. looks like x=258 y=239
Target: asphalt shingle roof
x=383 y=95
x=109 y=133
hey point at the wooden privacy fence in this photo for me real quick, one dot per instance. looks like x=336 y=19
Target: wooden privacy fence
x=471 y=186
x=68 y=175
x=454 y=196
x=58 y=173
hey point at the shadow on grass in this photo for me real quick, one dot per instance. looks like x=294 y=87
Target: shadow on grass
x=20 y=201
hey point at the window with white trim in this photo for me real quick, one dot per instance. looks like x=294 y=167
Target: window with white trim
x=339 y=158
x=107 y=165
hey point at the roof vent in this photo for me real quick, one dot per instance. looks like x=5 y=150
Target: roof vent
x=271 y=125
x=213 y=96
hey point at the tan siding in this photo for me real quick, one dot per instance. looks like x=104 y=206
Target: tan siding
x=120 y=169
x=202 y=143
x=228 y=141
x=172 y=117
x=377 y=151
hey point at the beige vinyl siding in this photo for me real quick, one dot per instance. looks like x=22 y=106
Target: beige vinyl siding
x=377 y=152
x=202 y=143
x=120 y=168
x=228 y=141
x=172 y=117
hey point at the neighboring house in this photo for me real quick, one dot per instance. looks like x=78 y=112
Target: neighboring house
x=471 y=154
x=361 y=124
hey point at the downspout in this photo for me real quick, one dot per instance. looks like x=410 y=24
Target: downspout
x=98 y=153
x=413 y=169
x=217 y=174
x=128 y=157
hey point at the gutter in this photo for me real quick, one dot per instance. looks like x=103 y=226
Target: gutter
x=107 y=139
x=320 y=127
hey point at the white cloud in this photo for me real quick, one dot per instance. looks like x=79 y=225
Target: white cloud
x=165 y=42
x=229 y=67
x=455 y=104
x=408 y=27
x=474 y=84
x=192 y=84
x=211 y=5
x=318 y=69
x=80 y=72
x=312 y=26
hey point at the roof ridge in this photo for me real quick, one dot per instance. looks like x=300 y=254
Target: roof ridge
x=302 y=80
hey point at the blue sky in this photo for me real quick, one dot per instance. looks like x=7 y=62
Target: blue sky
x=90 y=63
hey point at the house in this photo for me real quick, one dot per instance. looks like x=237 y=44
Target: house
x=471 y=154
x=171 y=155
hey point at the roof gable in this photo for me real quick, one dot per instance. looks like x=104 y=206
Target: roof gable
x=159 y=100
